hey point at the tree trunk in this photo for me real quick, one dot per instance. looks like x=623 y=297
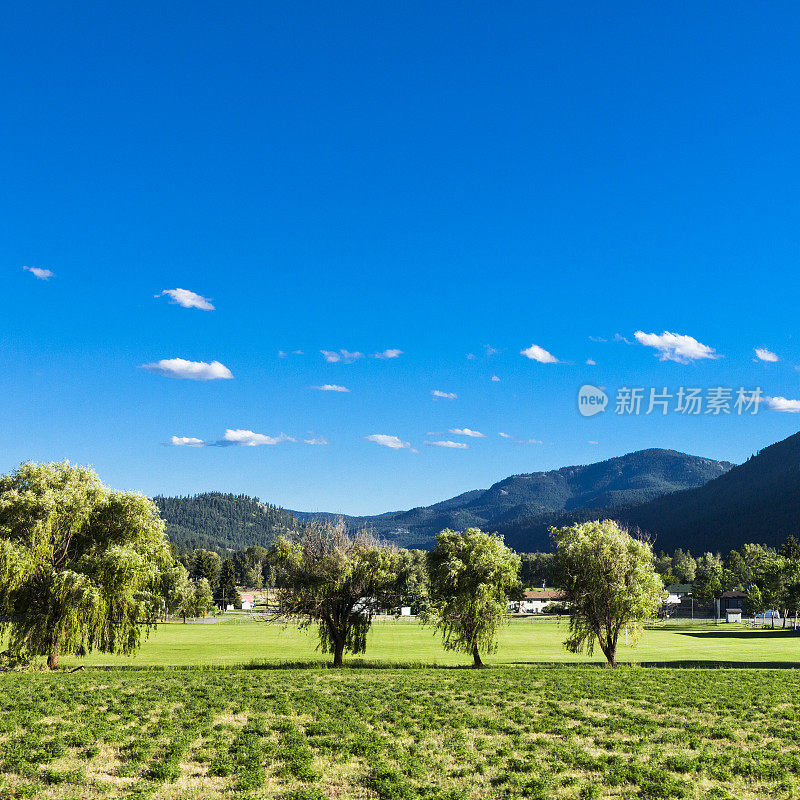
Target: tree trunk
x=610 y=651
x=52 y=659
x=476 y=657
x=338 y=651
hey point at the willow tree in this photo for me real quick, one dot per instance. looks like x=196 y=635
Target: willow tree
x=338 y=581
x=80 y=565
x=472 y=575
x=609 y=582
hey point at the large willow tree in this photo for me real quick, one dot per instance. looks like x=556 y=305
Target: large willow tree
x=80 y=565
x=472 y=574
x=609 y=582
x=337 y=581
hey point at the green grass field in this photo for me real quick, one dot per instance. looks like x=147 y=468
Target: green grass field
x=241 y=642
x=531 y=733
x=211 y=712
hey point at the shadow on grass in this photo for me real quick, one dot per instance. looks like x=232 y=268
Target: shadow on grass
x=356 y=665
x=768 y=633
x=720 y=664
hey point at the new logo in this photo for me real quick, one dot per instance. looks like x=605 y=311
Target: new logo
x=591 y=400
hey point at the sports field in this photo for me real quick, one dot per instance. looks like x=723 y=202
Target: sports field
x=239 y=641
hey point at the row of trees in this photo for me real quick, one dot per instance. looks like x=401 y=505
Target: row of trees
x=339 y=581
x=83 y=567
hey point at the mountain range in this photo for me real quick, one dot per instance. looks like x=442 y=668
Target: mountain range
x=541 y=497
x=679 y=500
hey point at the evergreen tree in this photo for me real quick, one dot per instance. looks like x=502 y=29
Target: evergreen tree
x=226 y=593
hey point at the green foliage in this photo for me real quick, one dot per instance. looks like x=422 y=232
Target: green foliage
x=205 y=564
x=471 y=577
x=754 y=602
x=183 y=596
x=609 y=582
x=226 y=592
x=82 y=565
x=790 y=549
x=338 y=581
x=536 y=569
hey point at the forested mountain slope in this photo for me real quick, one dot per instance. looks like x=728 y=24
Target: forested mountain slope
x=216 y=521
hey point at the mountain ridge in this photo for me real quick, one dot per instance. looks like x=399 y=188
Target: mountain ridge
x=623 y=480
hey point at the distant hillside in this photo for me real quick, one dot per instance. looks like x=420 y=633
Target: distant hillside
x=758 y=501
x=538 y=498
x=216 y=521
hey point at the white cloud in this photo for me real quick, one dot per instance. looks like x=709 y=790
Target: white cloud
x=536 y=353
x=193 y=370
x=316 y=440
x=384 y=440
x=297 y=353
x=388 y=354
x=332 y=356
x=782 y=404
x=41 y=274
x=187 y=299
x=251 y=439
x=592 y=441
x=676 y=346
x=281 y=354
x=495 y=379
x=591 y=362
x=597 y=339
x=520 y=441
x=490 y=351
x=467 y=432
x=456 y=445
x=331 y=387
x=186 y=441
x=437 y=393
x=762 y=354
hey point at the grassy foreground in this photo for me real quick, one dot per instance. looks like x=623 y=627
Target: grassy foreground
x=408 y=734
x=191 y=720
x=241 y=642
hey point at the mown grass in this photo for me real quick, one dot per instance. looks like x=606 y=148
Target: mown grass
x=239 y=642
x=411 y=734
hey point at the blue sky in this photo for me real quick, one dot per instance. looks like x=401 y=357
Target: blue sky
x=434 y=178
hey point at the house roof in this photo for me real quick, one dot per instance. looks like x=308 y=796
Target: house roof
x=734 y=593
x=543 y=594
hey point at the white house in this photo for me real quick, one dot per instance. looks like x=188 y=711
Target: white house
x=535 y=600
